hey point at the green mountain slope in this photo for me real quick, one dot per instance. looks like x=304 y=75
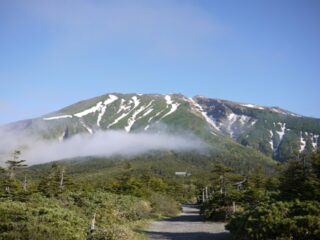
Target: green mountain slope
x=275 y=132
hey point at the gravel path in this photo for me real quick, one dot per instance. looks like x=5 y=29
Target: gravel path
x=186 y=226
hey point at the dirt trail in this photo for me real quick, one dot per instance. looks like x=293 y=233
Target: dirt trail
x=187 y=226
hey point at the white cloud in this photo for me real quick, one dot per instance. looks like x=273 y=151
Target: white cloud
x=105 y=144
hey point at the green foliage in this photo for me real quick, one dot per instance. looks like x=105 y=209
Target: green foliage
x=112 y=232
x=70 y=215
x=289 y=147
x=292 y=214
x=41 y=219
x=218 y=207
x=301 y=180
x=163 y=205
x=110 y=208
x=119 y=192
x=15 y=163
x=61 y=206
x=55 y=183
x=10 y=186
x=280 y=220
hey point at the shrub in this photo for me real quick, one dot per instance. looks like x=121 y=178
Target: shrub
x=112 y=232
x=22 y=221
x=280 y=220
x=218 y=208
x=163 y=205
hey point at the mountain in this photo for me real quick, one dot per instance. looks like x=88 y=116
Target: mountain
x=226 y=125
x=273 y=131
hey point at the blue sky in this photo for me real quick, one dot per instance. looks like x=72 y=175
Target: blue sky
x=54 y=53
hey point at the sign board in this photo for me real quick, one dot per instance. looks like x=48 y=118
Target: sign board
x=182 y=174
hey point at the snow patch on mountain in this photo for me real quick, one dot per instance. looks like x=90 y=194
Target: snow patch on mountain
x=271 y=140
x=282 y=131
x=232 y=124
x=284 y=112
x=199 y=109
x=295 y=115
x=252 y=106
x=244 y=119
x=93 y=109
x=315 y=141
x=156 y=115
x=302 y=143
x=174 y=106
x=118 y=119
x=232 y=118
x=253 y=122
x=277 y=110
x=99 y=107
x=110 y=100
x=136 y=101
x=151 y=118
x=134 y=118
x=123 y=106
x=86 y=126
x=57 y=117
x=147 y=112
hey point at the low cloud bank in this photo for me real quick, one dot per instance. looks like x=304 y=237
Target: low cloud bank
x=102 y=143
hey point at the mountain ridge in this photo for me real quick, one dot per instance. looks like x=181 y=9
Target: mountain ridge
x=275 y=132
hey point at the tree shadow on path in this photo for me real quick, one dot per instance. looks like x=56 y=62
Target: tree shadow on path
x=190 y=225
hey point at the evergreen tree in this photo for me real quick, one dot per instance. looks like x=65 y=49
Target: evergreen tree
x=55 y=183
x=315 y=163
x=10 y=183
x=2 y=180
x=15 y=163
x=301 y=180
x=219 y=176
x=315 y=175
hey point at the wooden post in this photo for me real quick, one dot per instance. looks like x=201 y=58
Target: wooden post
x=203 y=197
x=207 y=193
x=25 y=183
x=234 y=206
x=11 y=174
x=224 y=186
x=221 y=184
x=93 y=222
x=61 y=180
